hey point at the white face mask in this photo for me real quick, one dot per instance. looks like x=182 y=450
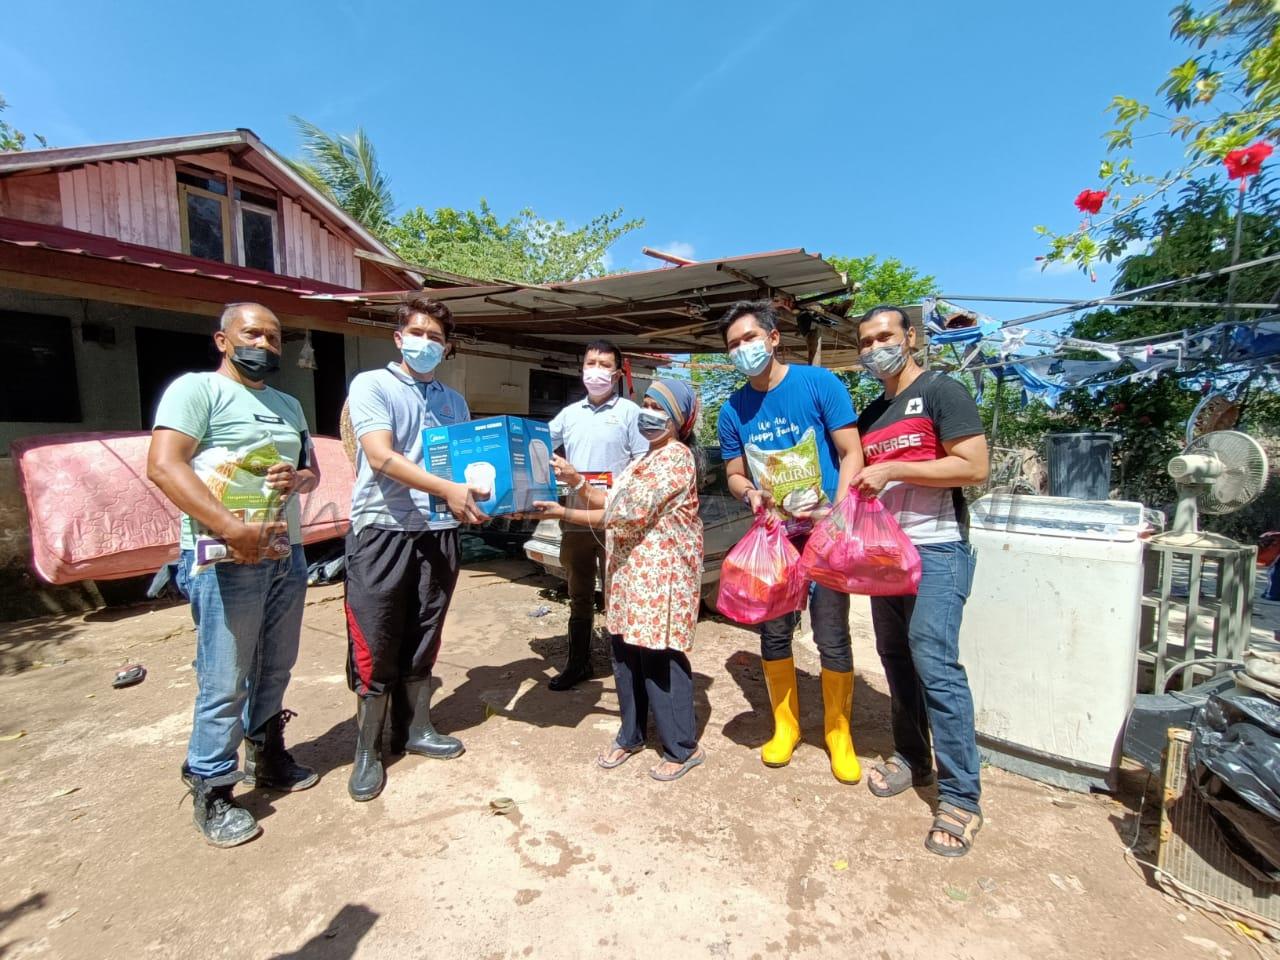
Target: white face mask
x=597 y=380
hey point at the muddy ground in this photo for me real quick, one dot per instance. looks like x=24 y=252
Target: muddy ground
x=100 y=858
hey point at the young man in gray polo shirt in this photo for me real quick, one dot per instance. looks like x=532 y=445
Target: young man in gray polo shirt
x=402 y=555
x=598 y=435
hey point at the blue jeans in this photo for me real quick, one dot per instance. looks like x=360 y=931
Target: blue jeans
x=829 y=614
x=248 y=620
x=918 y=639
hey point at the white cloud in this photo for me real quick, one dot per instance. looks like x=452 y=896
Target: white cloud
x=678 y=248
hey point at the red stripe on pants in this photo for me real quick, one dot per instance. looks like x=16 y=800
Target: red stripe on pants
x=359 y=647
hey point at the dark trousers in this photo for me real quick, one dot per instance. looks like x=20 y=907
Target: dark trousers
x=582 y=554
x=829 y=614
x=918 y=639
x=398 y=588
x=658 y=680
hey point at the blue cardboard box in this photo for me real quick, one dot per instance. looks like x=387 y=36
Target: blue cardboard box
x=507 y=458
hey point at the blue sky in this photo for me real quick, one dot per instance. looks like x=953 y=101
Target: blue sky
x=936 y=132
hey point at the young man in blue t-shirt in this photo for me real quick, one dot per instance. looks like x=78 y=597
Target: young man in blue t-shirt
x=789 y=439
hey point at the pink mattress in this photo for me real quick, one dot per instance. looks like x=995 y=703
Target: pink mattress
x=94 y=515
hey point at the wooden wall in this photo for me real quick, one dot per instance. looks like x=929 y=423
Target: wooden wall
x=137 y=201
x=34 y=199
x=310 y=250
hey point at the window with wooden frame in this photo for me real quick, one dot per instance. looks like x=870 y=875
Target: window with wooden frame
x=257 y=230
x=204 y=213
x=240 y=225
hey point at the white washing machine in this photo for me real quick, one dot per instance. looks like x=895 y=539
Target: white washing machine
x=1050 y=634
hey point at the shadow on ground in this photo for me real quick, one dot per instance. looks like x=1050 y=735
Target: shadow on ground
x=340 y=938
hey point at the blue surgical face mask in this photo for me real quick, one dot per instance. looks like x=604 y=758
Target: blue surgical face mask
x=652 y=423
x=885 y=362
x=421 y=354
x=751 y=358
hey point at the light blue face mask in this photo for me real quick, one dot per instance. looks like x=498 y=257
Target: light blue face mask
x=751 y=358
x=421 y=354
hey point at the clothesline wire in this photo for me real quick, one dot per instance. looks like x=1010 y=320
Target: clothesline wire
x=1114 y=301
x=1137 y=291
x=1060 y=354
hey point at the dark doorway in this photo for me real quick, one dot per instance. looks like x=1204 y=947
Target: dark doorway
x=163 y=355
x=37 y=369
x=330 y=380
x=550 y=392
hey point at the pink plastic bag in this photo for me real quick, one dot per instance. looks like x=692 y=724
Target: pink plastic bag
x=859 y=548
x=760 y=577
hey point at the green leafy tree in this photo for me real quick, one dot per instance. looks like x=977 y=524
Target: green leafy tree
x=877 y=281
x=1192 y=233
x=474 y=243
x=345 y=169
x=12 y=139
x=1222 y=98
x=524 y=249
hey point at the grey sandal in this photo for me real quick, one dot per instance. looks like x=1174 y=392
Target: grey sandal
x=604 y=763
x=955 y=822
x=897 y=777
x=694 y=760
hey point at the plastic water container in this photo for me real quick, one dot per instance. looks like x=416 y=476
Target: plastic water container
x=1079 y=464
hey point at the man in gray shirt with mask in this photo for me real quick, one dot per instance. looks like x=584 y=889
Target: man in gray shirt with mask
x=598 y=435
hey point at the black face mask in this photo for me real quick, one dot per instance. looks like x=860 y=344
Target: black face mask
x=256 y=363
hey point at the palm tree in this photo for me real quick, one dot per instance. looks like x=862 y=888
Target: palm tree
x=345 y=169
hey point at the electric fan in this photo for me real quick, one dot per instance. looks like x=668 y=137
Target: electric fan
x=1217 y=411
x=1217 y=473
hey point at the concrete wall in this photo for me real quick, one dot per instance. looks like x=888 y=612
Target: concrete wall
x=108 y=374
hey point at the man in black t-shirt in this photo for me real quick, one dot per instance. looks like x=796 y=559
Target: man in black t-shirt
x=922 y=441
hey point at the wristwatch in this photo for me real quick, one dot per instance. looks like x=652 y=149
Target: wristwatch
x=746 y=495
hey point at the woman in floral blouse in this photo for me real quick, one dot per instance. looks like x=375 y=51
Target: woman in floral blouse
x=654 y=578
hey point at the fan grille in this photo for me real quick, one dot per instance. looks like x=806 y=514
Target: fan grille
x=1244 y=470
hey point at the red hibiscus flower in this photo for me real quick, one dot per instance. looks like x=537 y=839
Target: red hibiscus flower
x=1090 y=201
x=1246 y=163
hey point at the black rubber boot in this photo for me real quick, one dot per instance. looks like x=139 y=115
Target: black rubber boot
x=578 y=668
x=268 y=764
x=368 y=776
x=218 y=817
x=411 y=729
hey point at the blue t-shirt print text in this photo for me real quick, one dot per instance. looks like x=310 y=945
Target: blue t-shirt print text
x=781 y=429
x=808 y=398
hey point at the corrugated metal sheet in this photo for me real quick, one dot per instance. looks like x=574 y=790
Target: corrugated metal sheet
x=673 y=309
x=20 y=233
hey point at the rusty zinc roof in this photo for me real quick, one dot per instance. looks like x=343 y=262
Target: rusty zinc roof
x=670 y=310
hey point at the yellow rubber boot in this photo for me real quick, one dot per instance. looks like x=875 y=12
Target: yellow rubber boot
x=780 y=678
x=837 y=705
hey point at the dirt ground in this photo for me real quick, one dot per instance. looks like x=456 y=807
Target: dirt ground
x=100 y=857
